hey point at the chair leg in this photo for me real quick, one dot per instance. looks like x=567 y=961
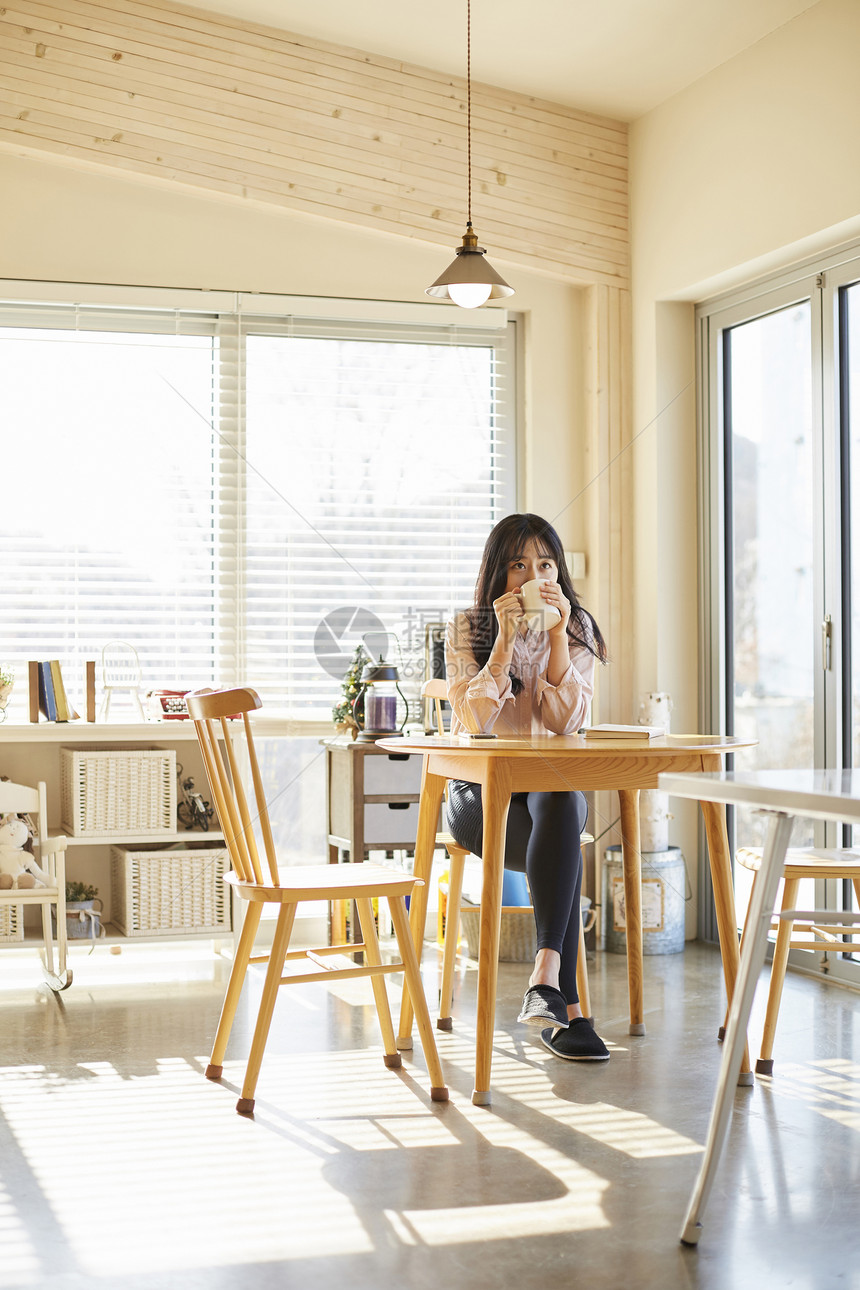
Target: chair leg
x=62 y=936
x=60 y=979
x=48 y=937
x=456 y=868
x=234 y=988
x=582 y=974
x=415 y=991
x=374 y=958
x=764 y=1065
x=274 y=972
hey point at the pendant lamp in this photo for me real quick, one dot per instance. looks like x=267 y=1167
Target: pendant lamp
x=469 y=280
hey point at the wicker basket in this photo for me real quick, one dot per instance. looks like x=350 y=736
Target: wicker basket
x=11 y=923
x=179 y=891
x=517 y=938
x=116 y=789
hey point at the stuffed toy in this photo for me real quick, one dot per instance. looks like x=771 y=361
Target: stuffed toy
x=18 y=867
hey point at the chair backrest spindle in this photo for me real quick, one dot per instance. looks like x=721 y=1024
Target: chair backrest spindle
x=208 y=708
x=249 y=842
x=221 y=795
x=262 y=807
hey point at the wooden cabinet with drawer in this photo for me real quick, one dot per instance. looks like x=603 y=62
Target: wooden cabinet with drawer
x=371 y=800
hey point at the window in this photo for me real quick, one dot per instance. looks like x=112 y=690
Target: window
x=243 y=495
x=378 y=466
x=109 y=530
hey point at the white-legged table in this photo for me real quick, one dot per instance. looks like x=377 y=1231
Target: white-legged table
x=782 y=795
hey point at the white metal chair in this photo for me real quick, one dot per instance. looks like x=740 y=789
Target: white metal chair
x=436 y=690
x=258 y=881
x=121 y=674
x=50 y=855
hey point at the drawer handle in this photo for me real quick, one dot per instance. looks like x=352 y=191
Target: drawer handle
x=398 y=806
x=398 y=756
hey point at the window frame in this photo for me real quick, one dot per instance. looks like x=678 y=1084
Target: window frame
x=230 y=317
x=821 y=280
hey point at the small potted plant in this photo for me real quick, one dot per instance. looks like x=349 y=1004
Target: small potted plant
x=342 y=713
x=82 y=918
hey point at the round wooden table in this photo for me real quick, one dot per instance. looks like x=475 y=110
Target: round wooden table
x=559 y=763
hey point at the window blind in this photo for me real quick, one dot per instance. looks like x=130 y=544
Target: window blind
x=232 y=492
x=107 y=422
x=378 y=460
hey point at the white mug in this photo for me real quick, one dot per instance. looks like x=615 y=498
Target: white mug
x=538 y=614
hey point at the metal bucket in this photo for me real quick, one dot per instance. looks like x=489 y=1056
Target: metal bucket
x=664 y=896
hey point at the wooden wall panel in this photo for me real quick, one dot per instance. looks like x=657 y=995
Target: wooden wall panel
x=155 y=89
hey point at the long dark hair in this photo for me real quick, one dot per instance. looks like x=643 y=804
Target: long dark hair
x=508 y=540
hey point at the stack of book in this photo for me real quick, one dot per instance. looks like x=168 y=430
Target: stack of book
x=53 y=701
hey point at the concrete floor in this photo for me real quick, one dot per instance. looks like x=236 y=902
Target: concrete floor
x=121 y=1166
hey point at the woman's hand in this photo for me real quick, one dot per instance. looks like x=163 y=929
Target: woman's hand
x=553 y=595
x=509 y=611
x=559 y=652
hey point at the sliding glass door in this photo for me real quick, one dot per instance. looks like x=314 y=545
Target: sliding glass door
x=770 y=548
x=781 y=540
x=847 y=320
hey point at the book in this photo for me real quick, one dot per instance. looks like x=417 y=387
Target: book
x=33 y=686
x=91 y=690
x=65 y=711
x=47 y=701
x=606 y=730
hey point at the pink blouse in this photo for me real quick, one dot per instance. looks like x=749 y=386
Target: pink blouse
x=479 y=706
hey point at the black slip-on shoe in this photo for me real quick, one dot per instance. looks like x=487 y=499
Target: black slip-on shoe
x=578 y=1042
x=542 y=1003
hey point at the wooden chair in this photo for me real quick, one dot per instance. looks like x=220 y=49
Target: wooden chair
x=50 y=856
x=800 y=929
x=436 y=690
x=262 y=882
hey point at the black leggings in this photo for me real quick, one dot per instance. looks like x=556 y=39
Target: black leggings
x=542 y=840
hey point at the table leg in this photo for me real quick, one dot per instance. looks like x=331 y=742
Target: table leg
x=432 y=789
x=631 y=858
x=755 y=946
x=714 y=814
x=496 y=799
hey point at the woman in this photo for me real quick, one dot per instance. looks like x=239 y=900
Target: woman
x=506 y=678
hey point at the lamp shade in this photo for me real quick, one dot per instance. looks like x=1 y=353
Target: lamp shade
x=470 y=280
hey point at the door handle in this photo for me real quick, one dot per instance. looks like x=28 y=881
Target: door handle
x=826 y=642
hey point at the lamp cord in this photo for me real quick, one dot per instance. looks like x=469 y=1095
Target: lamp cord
x=469 y=113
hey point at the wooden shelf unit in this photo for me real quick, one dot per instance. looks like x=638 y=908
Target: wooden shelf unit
x=31 y=752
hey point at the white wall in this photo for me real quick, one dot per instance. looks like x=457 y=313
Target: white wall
x=749 y=169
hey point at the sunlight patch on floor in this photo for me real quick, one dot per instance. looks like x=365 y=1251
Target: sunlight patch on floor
x=99 y=964
x=134 y=1150
x=579 y=1208
x=533 y=1082
x=19 y=1263
x=831 y=1087
x=295 y=1179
